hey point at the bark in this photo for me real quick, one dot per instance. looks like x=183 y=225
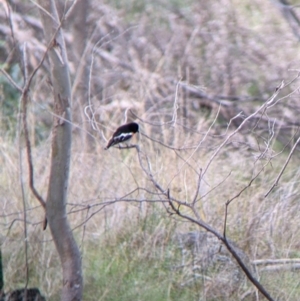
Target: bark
x=81 y=56
x=60 y=158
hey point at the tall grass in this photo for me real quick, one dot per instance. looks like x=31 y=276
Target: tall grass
x=123 y=224
x=129 y=247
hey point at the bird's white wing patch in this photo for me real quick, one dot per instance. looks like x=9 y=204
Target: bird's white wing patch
x=123 y=137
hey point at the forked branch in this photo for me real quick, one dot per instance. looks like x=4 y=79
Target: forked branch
x=175 y=206
x=225 y=241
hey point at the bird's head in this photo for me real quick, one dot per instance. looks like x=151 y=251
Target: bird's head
x=133 y=127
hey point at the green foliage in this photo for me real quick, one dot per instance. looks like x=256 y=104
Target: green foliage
x=9 y=98
x=253 y=89
x=287 y=279
x=121 y=277
x=9 y=106
x=134 y=8
x=139 y=6
x=134 y=264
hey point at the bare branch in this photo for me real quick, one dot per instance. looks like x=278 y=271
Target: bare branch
x=268 y=103
x=246 y=270
x=23 y=200
x=199 y=144
x=238 y=195
x=24 y=100
x=228 y=245
x=197 y=189
x=44 y=11
x=282 y=261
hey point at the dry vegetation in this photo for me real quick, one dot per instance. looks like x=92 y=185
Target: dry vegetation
x=189 y=72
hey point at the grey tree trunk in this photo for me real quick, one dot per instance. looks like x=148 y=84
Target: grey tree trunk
x=60 y=159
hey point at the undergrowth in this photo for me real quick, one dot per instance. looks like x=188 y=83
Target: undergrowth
x=123 y=224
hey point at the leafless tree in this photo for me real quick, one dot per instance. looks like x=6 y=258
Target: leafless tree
x=61 y=152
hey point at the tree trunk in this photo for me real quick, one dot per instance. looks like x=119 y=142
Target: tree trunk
x=60 y=159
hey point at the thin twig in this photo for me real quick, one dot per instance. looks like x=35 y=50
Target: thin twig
x=89 y=106
x=23 y=200
x=49 y=46
x=84 y=230
x=12 y=82
x=284 y=167
x=44 y=10
x=105 y=204
x=198 y=145
x=174 y=149
x=248 y=185
x=238 y=195
x=198 y=188
x=262 y=107
x=24 y=100
x=175 y=105
x=216 y=186
x=11 y=24
x=71 y=8
x=169 y=146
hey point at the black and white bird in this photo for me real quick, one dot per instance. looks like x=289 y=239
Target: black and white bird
x=123 y=133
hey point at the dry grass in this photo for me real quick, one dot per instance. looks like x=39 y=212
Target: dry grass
x=119 y=218
x=133 y=240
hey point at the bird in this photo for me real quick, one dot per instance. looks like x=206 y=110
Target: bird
x=122 y=134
